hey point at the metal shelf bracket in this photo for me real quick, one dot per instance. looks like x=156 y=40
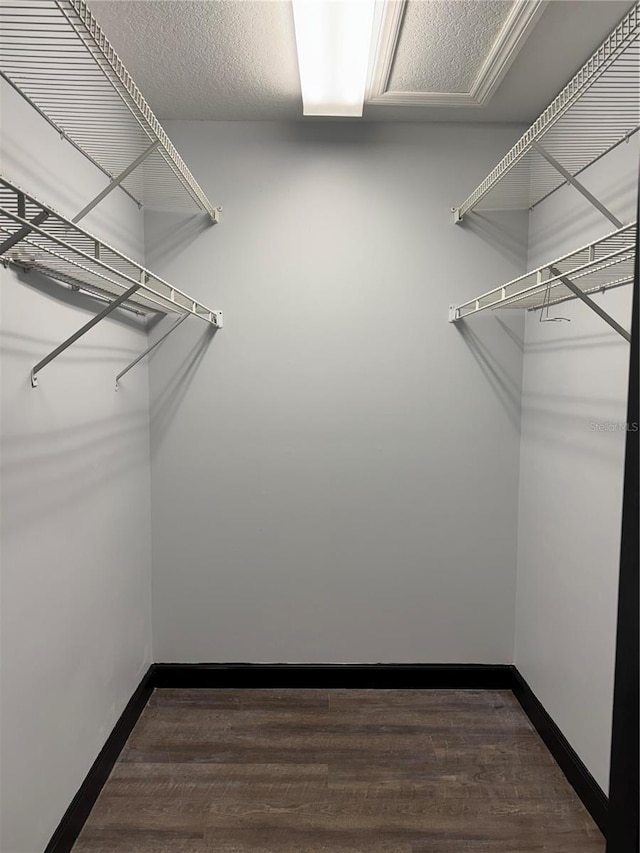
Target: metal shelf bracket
x=116 y=181
x=150 y=348
x=23 y=232
x=593 y=305
x=73 y=338
x=215 y=318
x=576 y=184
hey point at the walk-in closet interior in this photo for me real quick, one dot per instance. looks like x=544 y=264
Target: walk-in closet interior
x=319 y=429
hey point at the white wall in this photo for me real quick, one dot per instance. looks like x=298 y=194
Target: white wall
x=335 y=475
x=75 y=581
x=575 y=378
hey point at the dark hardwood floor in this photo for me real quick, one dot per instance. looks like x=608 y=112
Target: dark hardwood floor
x=337 y=771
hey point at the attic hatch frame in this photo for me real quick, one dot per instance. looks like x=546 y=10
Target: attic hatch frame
x=47 y=242
x=53 y=46
x=600 y=107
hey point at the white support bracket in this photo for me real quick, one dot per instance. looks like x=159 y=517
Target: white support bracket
x=73 y=338
x=151 y=348
x=593 y=305
x=215 y=317
x=116 y=181
x=576 y=183
x=453 y=313
x=23 y=232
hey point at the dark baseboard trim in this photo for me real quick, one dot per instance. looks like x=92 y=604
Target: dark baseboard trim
x=75 y=816
x=583 y=783
x=324 y=676
x=361 y=676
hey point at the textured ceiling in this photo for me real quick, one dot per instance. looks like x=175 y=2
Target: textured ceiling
x=208 y=59
x=236 y=59
x=442 y=45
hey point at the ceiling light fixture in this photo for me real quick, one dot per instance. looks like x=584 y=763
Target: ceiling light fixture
x=333 y=38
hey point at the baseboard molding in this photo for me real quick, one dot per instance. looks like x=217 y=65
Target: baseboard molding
x=361 y=676
x=583 y=783
x=358 y=676
x=75 y=816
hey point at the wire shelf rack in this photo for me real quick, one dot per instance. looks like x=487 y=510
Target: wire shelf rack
x=597 y=110
x=596 y=267
x=35 y=237
x=55 y=55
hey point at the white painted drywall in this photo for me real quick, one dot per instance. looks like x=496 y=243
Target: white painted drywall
x=572 y=457
x=335 y=473
x=75 y=581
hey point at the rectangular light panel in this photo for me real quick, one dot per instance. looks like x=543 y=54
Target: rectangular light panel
x=333 y=38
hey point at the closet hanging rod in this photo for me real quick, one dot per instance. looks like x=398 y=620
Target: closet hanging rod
x=597 y=110
x=74 y=63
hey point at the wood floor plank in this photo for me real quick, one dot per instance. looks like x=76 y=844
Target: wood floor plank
x=336 y=771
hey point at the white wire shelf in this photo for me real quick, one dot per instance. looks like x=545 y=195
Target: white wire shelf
x=596 y=267
x=33 y=236
x=597 y=110
x=56 y=56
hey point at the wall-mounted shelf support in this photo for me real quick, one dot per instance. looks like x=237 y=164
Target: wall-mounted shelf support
x=12 y=241
x=593 y=305
x=73 y=338
x=116 y=182
x=577 y=185
x=151 y=348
